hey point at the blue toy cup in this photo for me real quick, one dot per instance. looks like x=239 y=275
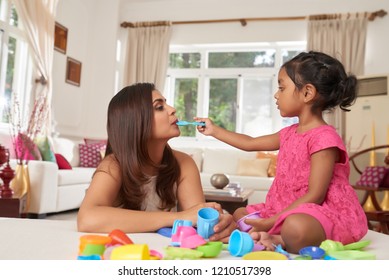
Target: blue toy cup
x=179 y=223
x=240 y=243
x=207 y=218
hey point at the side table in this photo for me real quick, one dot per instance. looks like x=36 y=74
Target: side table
x=10 y=207
x=227 y=200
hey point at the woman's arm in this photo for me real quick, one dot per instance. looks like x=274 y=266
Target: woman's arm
x=98 y=214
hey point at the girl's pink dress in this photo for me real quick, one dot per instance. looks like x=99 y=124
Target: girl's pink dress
x=341 y=214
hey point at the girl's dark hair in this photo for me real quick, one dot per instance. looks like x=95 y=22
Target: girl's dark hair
x=329 y=77
x=129 y=128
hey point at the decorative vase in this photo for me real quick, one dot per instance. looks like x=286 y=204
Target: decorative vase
x=21 y=186
x=219 y=181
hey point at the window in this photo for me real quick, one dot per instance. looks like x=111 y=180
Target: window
x=15 y=62
x=234 y=85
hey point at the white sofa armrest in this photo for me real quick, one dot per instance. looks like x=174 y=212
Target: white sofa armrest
x=43 y=182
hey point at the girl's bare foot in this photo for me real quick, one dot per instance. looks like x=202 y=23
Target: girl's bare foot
x=267 y=240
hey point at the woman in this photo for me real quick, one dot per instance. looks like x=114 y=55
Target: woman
x=142 y=185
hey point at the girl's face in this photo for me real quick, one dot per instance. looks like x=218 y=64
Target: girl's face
x=164 y=124
x=288 y=97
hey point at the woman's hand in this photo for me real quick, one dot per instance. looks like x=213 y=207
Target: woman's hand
x=224 y=228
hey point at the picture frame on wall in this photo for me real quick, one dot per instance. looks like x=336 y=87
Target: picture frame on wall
x=73 y=71
x=60 y=38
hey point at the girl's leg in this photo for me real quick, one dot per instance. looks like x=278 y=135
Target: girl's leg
x=301 y=230
x=239 y=213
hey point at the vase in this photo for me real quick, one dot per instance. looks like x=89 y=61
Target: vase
x=20 y=185
x=219 y=181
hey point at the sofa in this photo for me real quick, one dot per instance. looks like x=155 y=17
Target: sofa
x=53 y=189
x=252 y=170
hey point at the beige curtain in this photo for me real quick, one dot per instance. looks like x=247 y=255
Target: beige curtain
x=38 y=18
x=148 y=53
x=344 y=37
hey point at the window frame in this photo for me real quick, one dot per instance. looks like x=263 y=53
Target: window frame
x=23 y=66
x=204 y=74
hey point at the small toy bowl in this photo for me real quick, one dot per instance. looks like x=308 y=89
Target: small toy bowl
x=192 y=241
x=211 y=250
x=312 y=251
x=245 y=227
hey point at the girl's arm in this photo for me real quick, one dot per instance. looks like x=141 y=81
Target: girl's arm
x=241 y=141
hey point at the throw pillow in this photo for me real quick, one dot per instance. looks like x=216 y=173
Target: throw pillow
x=372 y=176
x=25 y=148
x=253 y=167
x=271 y=171
x=45 y=148
x=62 y=162
x=90 y=155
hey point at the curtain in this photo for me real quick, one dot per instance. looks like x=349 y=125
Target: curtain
x=344 y=37
x=38 y=18
x=148 y=53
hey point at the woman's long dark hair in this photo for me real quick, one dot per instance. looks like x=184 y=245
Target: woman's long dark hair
x=129 y=128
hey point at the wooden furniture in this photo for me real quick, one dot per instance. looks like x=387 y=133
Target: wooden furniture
x=10 y=207
x=229 y=201
x=374 y=210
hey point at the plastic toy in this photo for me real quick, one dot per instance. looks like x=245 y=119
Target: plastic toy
x=211 y=249
x=119 y=237
x=312 y=251
x=177 y=253
x=181 y=123
x=131 y=252
x=245 y=227
x=241 y=243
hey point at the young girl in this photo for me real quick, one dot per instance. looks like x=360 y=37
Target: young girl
x=310 y=199
x=142 y=184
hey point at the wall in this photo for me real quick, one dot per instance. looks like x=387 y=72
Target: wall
x=94 y=27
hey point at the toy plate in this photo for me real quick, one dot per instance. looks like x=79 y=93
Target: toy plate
x=357 y=245
x=264 y=255
x=352 y=255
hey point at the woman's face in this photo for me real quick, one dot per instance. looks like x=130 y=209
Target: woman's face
x=164 y=125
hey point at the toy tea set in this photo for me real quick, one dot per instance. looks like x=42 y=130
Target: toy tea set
x=188 y=242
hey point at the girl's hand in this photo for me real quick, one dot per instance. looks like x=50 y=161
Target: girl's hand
x=260 y=224
x=209 y=127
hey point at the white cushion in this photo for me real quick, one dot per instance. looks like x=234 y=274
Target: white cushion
x=253 y=167
x=223 y=160
x=67 y=148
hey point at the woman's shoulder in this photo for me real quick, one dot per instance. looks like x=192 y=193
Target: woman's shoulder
x=109 y=165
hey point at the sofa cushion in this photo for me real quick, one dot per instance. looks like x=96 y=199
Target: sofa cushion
x=45 y=148
x=253 y=167
x=62 y=162
x=78 y=175
x=25 y=148
x=219 y=160
x=67 y=148
x=271 y=171
x=90 y=155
